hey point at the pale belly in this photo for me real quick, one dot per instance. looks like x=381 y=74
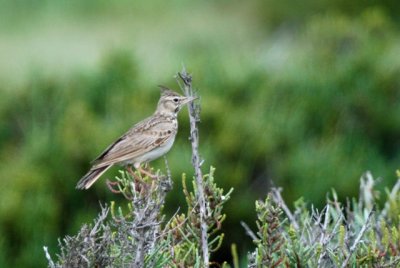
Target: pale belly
x=154 y=154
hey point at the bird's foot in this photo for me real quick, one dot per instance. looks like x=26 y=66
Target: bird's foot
x=147 y=173
x=133 y=174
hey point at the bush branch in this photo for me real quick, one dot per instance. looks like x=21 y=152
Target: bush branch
x=194 y=117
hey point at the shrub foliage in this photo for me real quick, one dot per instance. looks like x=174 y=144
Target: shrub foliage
x=355 y=234
x=140 y=237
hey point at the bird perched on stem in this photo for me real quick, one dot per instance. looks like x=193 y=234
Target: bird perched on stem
x=147 y=140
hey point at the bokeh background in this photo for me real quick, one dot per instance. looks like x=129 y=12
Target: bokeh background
x=302 y=95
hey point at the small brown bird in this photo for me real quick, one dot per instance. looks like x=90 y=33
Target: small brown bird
x=147 y=140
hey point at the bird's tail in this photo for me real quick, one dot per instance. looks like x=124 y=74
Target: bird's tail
x=91 y=177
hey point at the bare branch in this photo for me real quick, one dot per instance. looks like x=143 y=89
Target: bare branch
x=48 y=257
x=358 y=239
x=326 y=238
x=249 y=232
x=194 y=117
x=277 y=197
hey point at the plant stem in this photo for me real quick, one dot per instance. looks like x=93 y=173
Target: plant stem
x=194 y=117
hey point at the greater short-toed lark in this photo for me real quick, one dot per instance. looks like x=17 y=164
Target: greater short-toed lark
x=147 y=140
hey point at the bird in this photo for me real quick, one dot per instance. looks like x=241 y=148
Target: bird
x=146 y=141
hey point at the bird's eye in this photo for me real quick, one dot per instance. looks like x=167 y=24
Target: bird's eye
x=176 y=100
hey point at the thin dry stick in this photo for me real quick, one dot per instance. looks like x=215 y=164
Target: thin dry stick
x=277 y=197
x=327 y=238
x=194 y=117
x=249 y=232
x=358 y=239
x=51 y=263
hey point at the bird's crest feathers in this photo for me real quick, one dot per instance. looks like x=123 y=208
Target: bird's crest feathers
x=167 y=92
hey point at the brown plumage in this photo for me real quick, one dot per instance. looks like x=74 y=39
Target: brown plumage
x=147 y=140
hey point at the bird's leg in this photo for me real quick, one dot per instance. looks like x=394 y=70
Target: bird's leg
x=145 y=172
x=147 y=167
x=133 y=174
x=129 y=169
x=139 y=184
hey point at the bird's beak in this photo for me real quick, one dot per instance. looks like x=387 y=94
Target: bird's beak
x=188 y=99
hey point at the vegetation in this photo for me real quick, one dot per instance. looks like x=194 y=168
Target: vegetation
x=304 y=98
x=358 y=234
x=141 y=237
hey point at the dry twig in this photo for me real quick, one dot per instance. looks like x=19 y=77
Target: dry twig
x=358 y=239
x=194 y=117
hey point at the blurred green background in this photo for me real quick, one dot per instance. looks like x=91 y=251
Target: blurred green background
x=302 y=95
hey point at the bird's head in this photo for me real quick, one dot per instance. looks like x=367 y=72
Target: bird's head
x=170 y=102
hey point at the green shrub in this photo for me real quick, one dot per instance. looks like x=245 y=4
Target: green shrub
x=141 y=237
x=356 y=234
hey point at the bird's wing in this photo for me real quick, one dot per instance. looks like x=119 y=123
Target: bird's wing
x=139 y=140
